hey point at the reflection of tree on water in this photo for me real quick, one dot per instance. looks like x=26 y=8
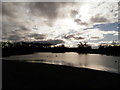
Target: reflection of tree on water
x=118 y=66
x=117 y=62
x=84 y=48
x=83 y=60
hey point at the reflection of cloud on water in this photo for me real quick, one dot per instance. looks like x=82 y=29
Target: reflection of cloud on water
x=102 y=68
x=83 y=62
x=59 y=62
x=119 y=66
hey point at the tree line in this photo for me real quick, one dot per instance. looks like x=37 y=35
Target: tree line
x=15 y=48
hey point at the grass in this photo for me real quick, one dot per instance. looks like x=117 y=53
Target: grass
x=18 y=74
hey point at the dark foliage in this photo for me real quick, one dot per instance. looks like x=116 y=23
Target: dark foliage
x=18 y=48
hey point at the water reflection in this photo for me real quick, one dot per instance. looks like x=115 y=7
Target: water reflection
x=84 y=60
x=93 y=61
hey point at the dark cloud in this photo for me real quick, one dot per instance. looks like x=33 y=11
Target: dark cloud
x=45 y=9
x=0 y=12
x=98 y=19
x=18 y=17
x=38 y=36
x=79 y=22
x=9 y=29
x=74 y=13
x=11 y=8
x=73 y=36
x=68 y=37
x=13 y=22
x=7 y=9
x=15 y=38
x=50 y=24
x=15 y=34
x=119 y=3
x=53 y=42
x=50 y=10
x=78 y=38
x=95 y=37
x=115 y=14
x=24 y=28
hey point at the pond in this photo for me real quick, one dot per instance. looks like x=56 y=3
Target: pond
x=92 y=61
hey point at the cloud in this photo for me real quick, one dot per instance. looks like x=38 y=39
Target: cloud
x=72 y=37
x=110 y=32
x=95 y=38
x=43 y=9
x=59 y=22
x=98 y=19
x=37 y=36
x=68 y=37
x=15 y=38
x=9 y=9
x=15 y=33
x=10 y=29
x=13 y=18
x=79 y=22
x=51 y=10
x=79 y=38
x=53 y=42
x=99 y=12
x=24 y=28
x=74 y=13
x=97 y=34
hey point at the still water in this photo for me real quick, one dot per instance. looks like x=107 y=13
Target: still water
x=92 y=61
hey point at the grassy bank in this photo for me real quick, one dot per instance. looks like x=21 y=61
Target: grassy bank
x=18 y=74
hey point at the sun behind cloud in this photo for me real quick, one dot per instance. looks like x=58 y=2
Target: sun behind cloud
x=71 y=22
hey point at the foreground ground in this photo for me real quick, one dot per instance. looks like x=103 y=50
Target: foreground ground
x=18 y=74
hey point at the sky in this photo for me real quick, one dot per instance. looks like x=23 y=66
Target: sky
x=60 y=22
